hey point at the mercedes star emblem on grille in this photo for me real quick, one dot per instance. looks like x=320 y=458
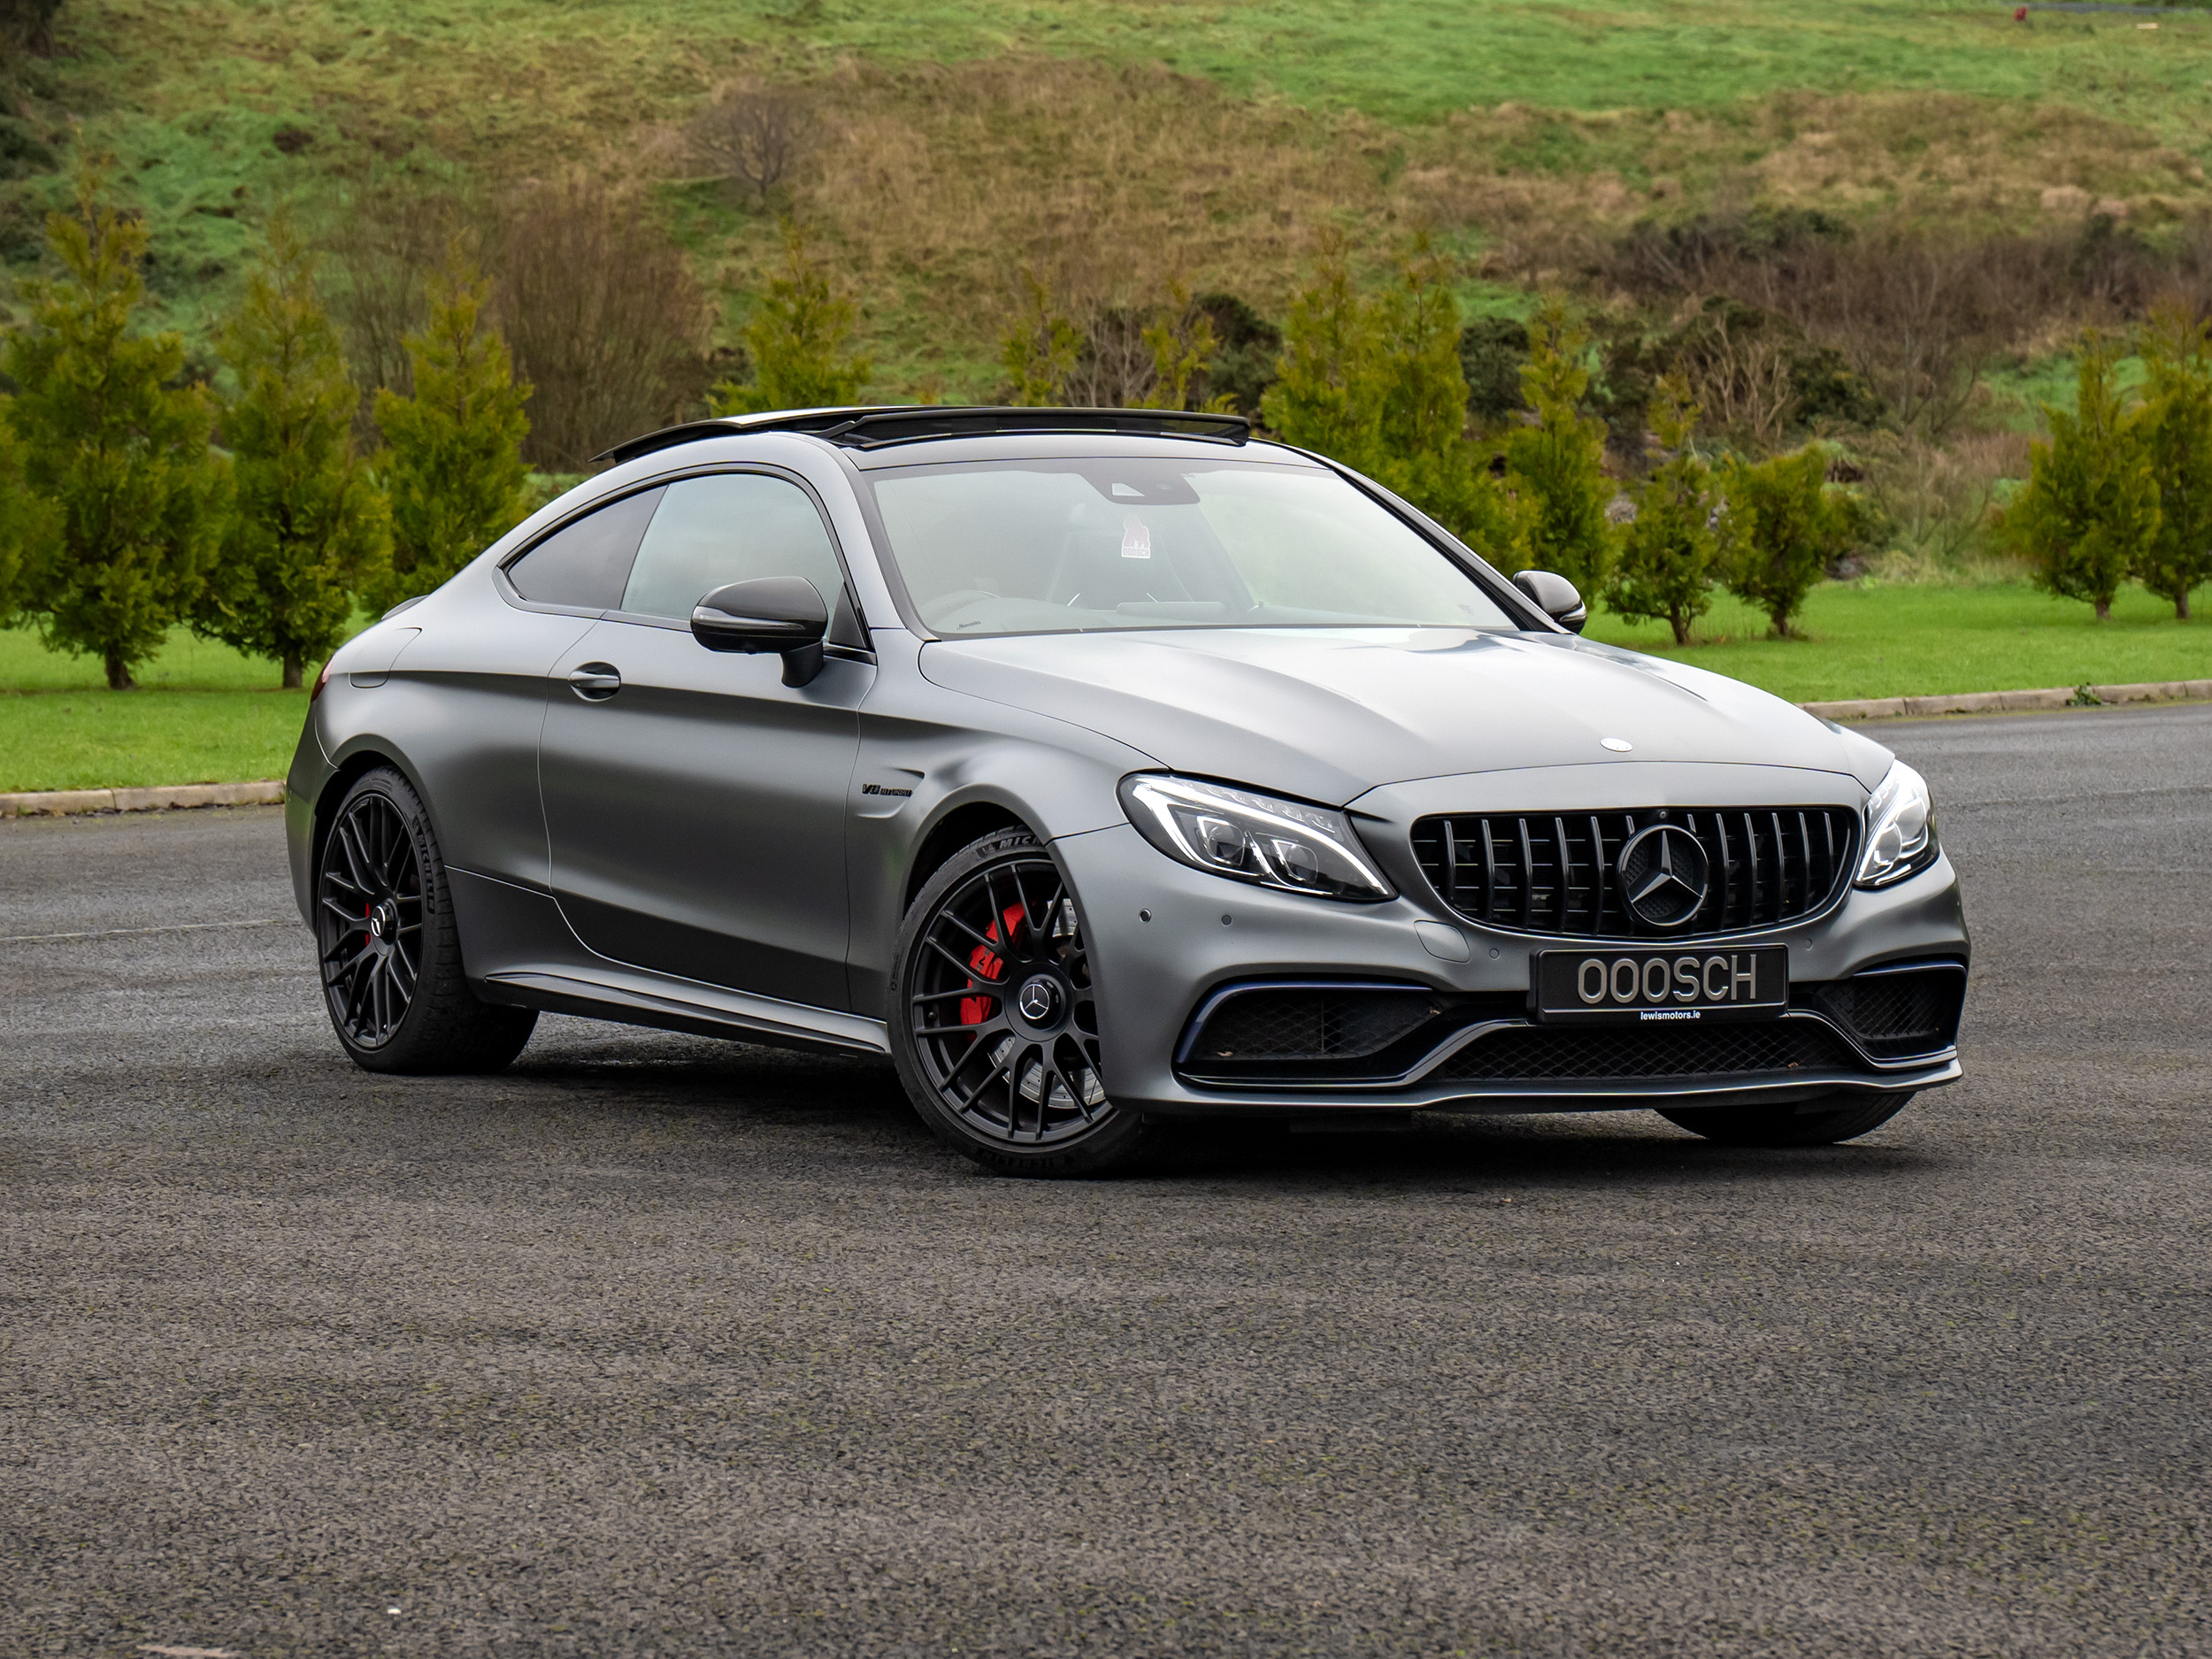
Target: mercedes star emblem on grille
x=1663 y=872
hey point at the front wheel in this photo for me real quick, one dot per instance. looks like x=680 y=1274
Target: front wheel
x=994 y=1019
x=1816 y=1123
x=390 y=950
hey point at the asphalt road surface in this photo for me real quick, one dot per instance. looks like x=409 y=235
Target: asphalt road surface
x=661 y=1346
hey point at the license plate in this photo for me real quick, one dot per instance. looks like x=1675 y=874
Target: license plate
x=1655 y=987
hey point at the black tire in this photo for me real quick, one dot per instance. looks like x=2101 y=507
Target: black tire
x=393 y=983
x=1020 y=1097
x=1821 y=1122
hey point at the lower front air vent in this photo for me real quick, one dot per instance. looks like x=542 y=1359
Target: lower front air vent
x=1539 y=1054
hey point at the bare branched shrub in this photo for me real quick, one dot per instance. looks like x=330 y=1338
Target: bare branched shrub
x=753 y=137
x=604 y=314
x=1740 y=364
x=1938 y=501
x=1913 y=315
x=385 y=240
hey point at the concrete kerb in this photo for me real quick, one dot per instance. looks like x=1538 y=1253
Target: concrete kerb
x=63 y=802
x=2012 y=701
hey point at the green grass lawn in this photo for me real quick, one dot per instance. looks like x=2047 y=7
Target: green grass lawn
x=1870 y=641
x=202 y=714
x=207 y=715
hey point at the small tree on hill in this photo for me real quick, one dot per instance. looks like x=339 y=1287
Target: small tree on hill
x=801 y=337
x=2177 y=350
x=310 y=529
x=1040 y=350
x=1328 y=394
x=116 y=450
x=453 y=468
x=1555 y=465
x=25 y=520
x=1376 y=384
x=1785 y=525
x=1668 y=553
x=2090 y=512
x=1182 y=341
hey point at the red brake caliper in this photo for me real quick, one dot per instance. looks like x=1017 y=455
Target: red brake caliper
x=981 y=963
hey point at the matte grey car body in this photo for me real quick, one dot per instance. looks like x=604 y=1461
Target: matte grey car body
x=708 y=849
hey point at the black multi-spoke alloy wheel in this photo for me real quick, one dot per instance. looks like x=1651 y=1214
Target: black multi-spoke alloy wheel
x=390 y=954
x=1821 y=1122
x=994 y=1018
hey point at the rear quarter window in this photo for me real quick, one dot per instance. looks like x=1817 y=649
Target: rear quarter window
x=585 y=563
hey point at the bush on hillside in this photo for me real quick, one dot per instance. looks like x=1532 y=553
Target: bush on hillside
x=801 y=337
x=604 y=315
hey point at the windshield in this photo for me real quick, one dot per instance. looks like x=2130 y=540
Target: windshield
x=1059 y=547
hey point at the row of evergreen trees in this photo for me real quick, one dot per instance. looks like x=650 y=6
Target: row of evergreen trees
x=1376 y=381
x=132 y=499
x=2124 y=486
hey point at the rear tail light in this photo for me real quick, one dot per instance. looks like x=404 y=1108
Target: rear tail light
x=321 y=680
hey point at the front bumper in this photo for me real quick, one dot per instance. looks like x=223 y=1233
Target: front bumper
x=1164 y=937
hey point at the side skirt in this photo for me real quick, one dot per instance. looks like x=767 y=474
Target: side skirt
x=520 y=950
x=637 y=999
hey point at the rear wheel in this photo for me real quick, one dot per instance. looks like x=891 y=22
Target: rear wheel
x=390 y=953
x=994 y=1019
x=1815 y=1123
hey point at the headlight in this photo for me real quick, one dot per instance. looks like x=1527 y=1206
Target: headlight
x=1900 y=829
x=1252 y=837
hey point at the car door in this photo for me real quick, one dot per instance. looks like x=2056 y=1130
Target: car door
x=469 y=691
x=696 y=803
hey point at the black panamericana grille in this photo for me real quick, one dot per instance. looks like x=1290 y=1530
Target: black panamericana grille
x=1540 y=1054
x=1559 y=872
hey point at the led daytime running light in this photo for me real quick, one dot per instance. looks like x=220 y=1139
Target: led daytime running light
x=1256 y=838
x=1900 y=829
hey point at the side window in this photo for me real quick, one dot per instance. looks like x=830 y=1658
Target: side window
x=586 y=564
x=729 y=528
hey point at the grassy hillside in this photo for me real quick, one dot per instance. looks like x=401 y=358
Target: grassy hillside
x=1129 y=141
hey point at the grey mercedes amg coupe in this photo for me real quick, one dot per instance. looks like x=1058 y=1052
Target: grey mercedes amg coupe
x=1104 y=768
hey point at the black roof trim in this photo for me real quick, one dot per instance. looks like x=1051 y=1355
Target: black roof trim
x=871 y=427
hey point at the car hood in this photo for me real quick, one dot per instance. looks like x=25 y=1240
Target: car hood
x=1328 y=714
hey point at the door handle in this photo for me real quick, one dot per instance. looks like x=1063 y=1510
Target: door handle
x=594 y=682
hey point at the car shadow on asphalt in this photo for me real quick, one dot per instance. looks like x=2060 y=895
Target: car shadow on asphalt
x=766 y=1089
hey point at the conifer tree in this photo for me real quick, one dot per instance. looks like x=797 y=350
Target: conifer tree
x=1554 y=466
x=1784 y=526
x=2177 y=352
x=1182 y=343
x=2090 y=512
x=1668 y=553
x=1424 y=453
x=1328 y=394
x=801 y=337
x=1376 y=384
x=1040 y=350
x=453 y=466
x=309 y=530
x=25 y=520
x=115 y=451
